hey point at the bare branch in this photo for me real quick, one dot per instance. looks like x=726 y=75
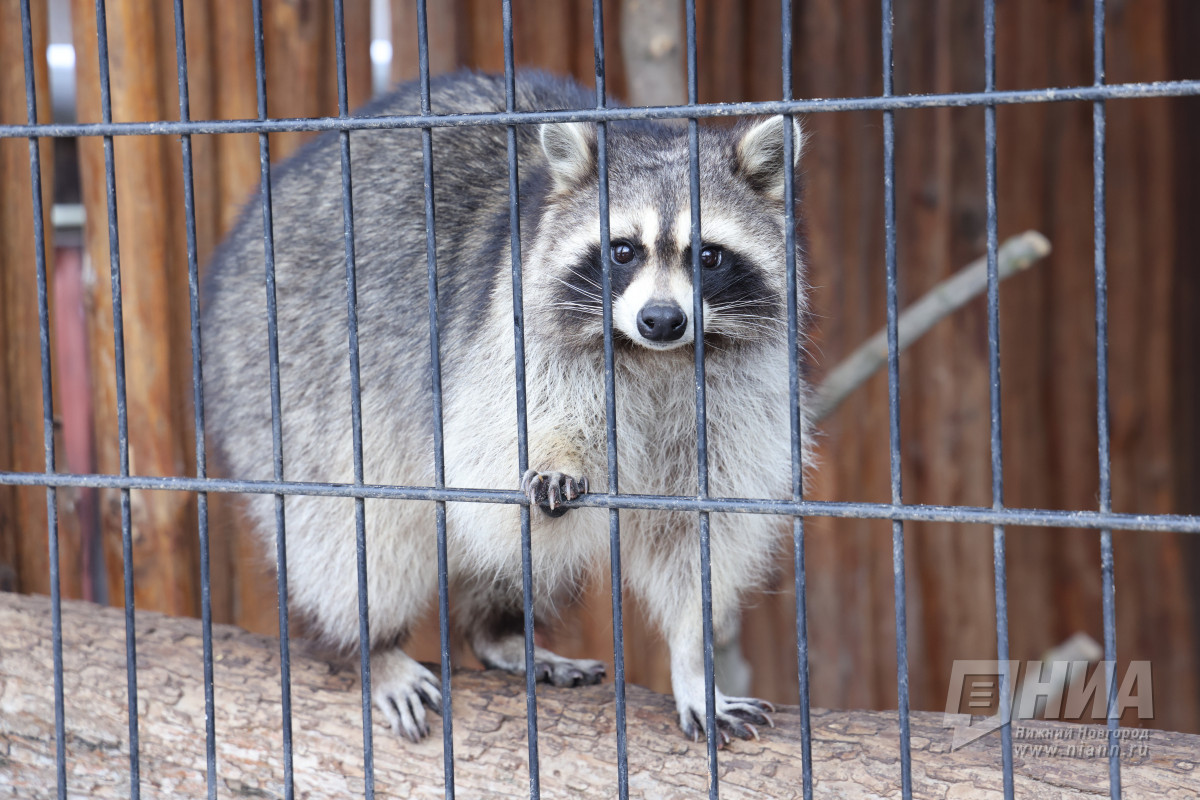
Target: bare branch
x=1017 y=254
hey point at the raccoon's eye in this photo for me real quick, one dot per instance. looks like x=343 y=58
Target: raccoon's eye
x=711 y=257
x=622 y=252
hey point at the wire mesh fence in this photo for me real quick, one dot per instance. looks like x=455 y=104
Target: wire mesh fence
x=1103 y=518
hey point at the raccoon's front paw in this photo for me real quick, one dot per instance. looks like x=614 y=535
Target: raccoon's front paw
x=548 y=490
x=735 y=716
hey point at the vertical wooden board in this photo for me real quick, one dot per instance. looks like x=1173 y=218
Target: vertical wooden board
x=1184 y=18
x=234 y=175
x=202 y=49
x=944 y=407
x=10 y=111
x=762 y=69
x=97 y=301
x=234 y=98
x=851 y=635
x=299 y=56
x=449 y=33
x=722 y=42
x=357 y=21
x=540 y=33
x=24 y=560
x=582 y=65
x=149 y=219
x=485 y=33
x=1045 y=183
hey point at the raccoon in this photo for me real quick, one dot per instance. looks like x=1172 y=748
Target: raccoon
x=745 y=313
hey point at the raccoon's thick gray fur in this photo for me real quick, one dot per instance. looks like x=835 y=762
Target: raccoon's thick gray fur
x=741 y=175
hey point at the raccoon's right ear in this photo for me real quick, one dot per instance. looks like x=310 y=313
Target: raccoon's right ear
x=759 y=154
x=570 y=149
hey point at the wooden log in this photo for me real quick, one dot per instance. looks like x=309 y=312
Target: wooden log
x=24 y=558
x=855 y=753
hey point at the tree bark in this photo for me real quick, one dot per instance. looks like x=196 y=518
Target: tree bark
x=855 y=753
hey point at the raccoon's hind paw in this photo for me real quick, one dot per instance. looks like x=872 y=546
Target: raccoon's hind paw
x=560 y=671
x=548 y=490
x=735 y=716
x=402 y=689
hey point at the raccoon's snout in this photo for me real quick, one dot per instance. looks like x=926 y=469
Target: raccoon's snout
x=662 y=322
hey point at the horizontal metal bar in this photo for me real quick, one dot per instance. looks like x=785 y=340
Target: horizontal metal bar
x=1116 y=91
x=1038 y=517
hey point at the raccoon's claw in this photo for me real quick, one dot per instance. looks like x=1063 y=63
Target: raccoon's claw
x=402 y=691
x=548 y=490
x=570 y=672
x=735 y=717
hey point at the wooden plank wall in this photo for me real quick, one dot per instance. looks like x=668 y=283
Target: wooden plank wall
x=301 y=81
x=1048 y=337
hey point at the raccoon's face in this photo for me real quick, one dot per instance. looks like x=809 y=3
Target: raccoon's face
x=742 y=250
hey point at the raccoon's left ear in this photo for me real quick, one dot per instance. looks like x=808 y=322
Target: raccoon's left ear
x=570 y=149
x=760 y=154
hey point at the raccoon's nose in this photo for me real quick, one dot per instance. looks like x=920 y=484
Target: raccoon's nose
x=662 y=322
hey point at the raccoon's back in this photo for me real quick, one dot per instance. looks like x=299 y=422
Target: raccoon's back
x=471 y=210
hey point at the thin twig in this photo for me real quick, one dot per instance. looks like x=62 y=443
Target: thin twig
x=1017 y=254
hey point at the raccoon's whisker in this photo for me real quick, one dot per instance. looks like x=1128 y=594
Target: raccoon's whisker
x=725 y=311
x=745 y=300
x=575 y=287
x=749 y=320
x=578 y=307
x=583 y=278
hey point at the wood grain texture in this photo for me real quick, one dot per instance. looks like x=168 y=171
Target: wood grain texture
x=855 y=754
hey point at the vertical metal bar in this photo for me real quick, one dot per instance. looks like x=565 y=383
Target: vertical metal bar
x=264 y=160
x=900 y=591
x=114 y=249
x=1100 y=224
x=710 y=700
x=514 y=219
x=189 y=214
x=435 y=374
x=360 y=517
x=610 y=408
x=999 y=559
x=797 y=422
x=39 y=248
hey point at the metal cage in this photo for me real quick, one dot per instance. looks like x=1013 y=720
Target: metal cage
x=1102 y=519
